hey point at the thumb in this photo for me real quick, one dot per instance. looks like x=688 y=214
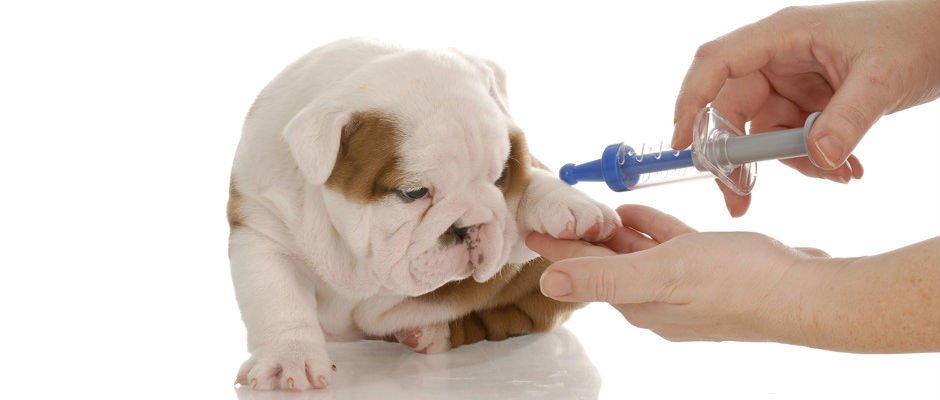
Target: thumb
x=854 y=108
x=621 y=279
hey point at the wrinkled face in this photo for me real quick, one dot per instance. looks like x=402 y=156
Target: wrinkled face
x=424 y=201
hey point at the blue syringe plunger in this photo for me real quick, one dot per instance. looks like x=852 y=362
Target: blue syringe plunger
x=620 y=167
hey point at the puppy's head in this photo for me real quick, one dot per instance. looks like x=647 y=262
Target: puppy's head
x=417 y=156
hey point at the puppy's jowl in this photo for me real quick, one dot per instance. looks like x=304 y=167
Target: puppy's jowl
x=380 y=192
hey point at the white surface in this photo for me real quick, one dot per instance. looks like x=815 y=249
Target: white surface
x=118 y=126
x=550 y=366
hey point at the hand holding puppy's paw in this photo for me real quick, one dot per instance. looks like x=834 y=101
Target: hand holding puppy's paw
x=566 y=213
x=429 y=339
x=291 y=366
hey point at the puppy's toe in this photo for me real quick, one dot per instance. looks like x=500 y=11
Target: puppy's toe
x=428 y=339
x=292 y=368
x=569 y=214
x=409 y=337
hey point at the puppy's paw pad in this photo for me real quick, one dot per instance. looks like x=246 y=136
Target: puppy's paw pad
x=429 y=339
x=294 y=369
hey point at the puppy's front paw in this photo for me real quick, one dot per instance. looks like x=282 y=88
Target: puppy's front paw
x=428 y=339
x=566 y=213
x=291 y=366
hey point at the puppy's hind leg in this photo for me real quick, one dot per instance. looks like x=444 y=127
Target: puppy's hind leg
x=521 y=310
x=514 y=306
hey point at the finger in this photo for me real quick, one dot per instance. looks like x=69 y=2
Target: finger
x=558 y=249
x=656 y=224
x=740 y=99
x=855 y=106
x=857 y=170
x=778 y=113
x=803 y=164
x=737 y=204
x=627 y=240
x=734 y=55
x=627 y=278
x=809 y=91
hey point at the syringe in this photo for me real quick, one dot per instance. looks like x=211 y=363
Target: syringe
x=717 y=147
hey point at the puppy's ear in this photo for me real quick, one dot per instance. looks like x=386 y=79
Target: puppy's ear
x=498 y=85
x=316 y=136
x=495 y=77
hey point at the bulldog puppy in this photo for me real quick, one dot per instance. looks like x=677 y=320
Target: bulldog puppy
x=380 y=192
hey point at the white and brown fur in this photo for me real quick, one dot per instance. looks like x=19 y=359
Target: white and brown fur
x=324 y=247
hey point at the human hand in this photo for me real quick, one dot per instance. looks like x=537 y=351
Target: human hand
x=854 y=61
x=683 y=285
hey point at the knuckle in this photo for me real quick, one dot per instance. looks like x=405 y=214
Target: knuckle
x=638 y=321
x=673 y=339
x=669 y=335
x=641 y=316
x=791 y=12
x=708 y=49
x=762 y=242
x=800 y=15
x=811 y=252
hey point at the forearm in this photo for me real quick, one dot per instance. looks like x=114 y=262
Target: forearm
x=888 y=303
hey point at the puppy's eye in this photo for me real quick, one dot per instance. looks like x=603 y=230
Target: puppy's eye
x=412 y=195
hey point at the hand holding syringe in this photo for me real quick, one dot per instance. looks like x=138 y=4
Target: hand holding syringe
x=717 y=147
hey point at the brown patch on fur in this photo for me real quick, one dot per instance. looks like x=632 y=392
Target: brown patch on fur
x=508 y=305
x=235 y=218
x=515 y=176
x=518 y=309
x=538 y=164
x=367 y=166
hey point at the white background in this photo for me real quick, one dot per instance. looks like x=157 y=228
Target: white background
x=118 y=123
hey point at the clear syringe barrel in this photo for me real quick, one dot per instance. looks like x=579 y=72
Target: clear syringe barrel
x=717 y=147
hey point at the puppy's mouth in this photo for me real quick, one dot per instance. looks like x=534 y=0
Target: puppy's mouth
x=435 y=267
x=461 y=253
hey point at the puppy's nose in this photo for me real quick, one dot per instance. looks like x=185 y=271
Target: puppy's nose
x=457 y=234
x=461 y=233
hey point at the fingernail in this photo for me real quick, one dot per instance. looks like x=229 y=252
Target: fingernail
x=555 y=284
x=830 y=145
